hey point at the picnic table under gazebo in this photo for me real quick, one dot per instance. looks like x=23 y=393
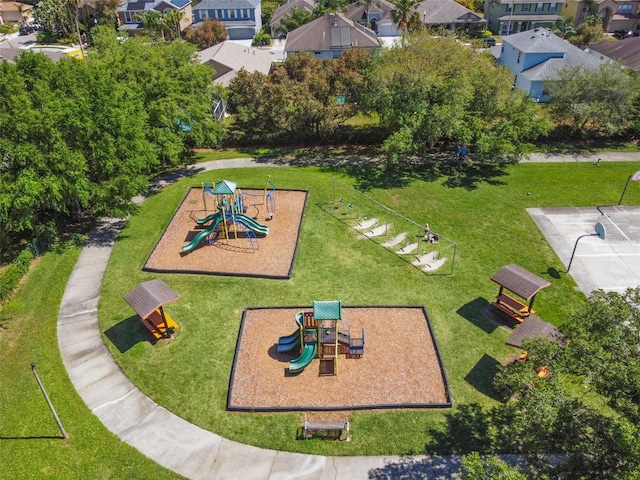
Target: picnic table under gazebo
x=148 y=299
x=522 y=283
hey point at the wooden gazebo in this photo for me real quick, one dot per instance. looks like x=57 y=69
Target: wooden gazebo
x=522 y=283
x=147 y=299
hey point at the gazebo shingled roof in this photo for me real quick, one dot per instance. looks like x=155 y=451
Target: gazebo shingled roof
x=148 y=296
x=520 y=281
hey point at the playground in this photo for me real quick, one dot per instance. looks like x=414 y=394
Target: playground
x=400 y=366
x=260 y=241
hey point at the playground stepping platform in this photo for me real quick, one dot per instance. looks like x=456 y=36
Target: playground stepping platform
x=366 y=224
x=378 y=231
x=395 y=240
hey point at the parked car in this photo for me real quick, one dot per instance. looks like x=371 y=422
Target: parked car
x=27 y=29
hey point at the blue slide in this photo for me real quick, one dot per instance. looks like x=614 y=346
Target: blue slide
x=203 y=234
x=308 y=354
x=252 y=224
x=288 y=343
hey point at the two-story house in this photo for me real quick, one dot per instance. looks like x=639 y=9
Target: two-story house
x=536 y=58
x=505 y=17
x=286 y=9
x=330 y=36
x=241 y=18
x=449 y=15
x=615 y=14
x=130 y=21
x=377 y=17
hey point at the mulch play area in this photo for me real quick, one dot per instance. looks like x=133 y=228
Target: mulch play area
x=270 y=256
x=400 y=367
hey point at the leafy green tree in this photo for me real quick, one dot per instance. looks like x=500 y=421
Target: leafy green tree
x=605 y=338
x=172 y=19
x=405 y=16
x=210 y=33
x=564 y=28
x=475 y=467
x=153 y=23
x=294 y=19
x=588 y=32
x=55 y=17
x=595 y=102
x=435 y=92
x=300 y=100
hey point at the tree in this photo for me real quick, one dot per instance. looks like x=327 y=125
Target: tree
x=294 y=19
x=595 y=102
x=588 y=32
x=435 y=92
x=489 y=468
x=55 y=17
x=605 y=338
x=405 y=16
x=564 y=27
x=153 y=23
x=173 y=19
x=210 y=33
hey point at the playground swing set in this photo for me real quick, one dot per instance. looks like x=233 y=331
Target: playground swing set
x=319 y=335
x=229 y=217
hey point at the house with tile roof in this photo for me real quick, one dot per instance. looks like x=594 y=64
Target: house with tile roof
x=626 y=52
x=377 y=17
x=615 y=14
x=329 y=37
x=14 y=12
x=536 y=58
x=285 y=9
x=505 y=17
x=130 y=22
x=449 y=15
x=228 y=58
x=241 y=18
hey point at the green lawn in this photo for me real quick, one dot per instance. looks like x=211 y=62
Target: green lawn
x=486 y=217
x=482 y=211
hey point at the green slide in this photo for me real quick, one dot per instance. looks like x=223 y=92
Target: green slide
x=203 y=234
x=202 y=221
x=252 y=224
x=308 y=354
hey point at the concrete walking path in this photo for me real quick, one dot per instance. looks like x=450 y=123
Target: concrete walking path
x=166 y=438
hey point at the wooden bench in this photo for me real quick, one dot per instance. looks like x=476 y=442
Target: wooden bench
x=337 y=430
x=157 y=326
x=512 y=307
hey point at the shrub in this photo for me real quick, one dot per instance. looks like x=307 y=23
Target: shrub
x=11 y=276
x=261 y=39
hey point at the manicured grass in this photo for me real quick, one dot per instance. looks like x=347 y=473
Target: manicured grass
x=485 y=214
x=31 y=445
x=190 y=374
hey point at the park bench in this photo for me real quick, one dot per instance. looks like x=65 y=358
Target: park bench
x=337 y=430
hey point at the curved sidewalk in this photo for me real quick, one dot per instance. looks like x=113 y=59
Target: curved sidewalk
x=166 y=438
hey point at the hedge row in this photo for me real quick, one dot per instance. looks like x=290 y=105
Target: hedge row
x=11 y=276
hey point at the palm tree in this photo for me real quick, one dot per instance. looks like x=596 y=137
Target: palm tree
x=173 y=19
x=564 y=28
x=152 y=23
x=405 y=15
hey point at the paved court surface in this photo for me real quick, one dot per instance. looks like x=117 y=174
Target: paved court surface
x=612 y=264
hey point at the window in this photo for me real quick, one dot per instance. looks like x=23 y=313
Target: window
x=519 y=55
x=548 y=5
x=232 y=13
x=526 y=7
x=509 y=7
x=219 y=14
x=552 y=7
x=205 y=14
x=127 y=17
x=539 y=7
x=624 y=8
x=245 y=13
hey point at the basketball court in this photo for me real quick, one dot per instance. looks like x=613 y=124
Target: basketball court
x=612 y=264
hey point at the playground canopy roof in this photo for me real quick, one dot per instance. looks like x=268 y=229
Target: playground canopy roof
x=149 y=296
x=225 y=187
x=533 y=327
x=327 y=310
x=519 y=281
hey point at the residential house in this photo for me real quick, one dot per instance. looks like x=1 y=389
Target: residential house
x=449 y=15
x=377 y=17
x=616 y=15
x=536 y=57
x=130 y=21
x=228 y=58
x=284 y=10
x=241 y=18
x=330 y=36
x=505 y=17
x=14 y=12
x=626 y=52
